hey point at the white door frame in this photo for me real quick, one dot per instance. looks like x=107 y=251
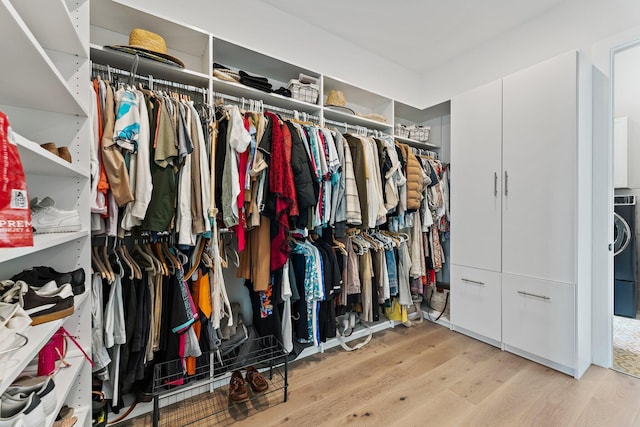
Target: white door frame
x=603 y=193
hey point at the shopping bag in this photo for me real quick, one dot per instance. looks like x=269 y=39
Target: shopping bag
x=15 y=216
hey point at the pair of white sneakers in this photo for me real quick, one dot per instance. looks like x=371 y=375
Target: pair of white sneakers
x=27 y=402
x=46 y=218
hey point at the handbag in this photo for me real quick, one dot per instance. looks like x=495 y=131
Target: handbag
x=346 y=324
x=396 y=311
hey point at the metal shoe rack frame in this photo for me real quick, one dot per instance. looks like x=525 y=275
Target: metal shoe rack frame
x=213 y=371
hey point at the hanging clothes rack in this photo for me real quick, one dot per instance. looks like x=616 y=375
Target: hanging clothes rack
x=152 y=82
x=357 y=129
x=260 y=104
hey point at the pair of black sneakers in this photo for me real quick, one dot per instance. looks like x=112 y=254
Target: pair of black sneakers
x=40 y=276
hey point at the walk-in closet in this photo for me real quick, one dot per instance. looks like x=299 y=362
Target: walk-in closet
x=254 y=213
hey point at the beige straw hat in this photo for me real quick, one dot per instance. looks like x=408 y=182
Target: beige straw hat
x=337 y=100
x=149 y=43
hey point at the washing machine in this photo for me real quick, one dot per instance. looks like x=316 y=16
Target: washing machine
x=625 y=263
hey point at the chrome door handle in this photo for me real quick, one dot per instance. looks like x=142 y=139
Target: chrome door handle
x=495 y=184
x=506 y=183
x=475 y=282
x=527 y=294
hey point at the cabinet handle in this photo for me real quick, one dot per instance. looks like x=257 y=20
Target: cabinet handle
x=527 y=294
x=495 y=184
x=506 y=183
x=475 y=282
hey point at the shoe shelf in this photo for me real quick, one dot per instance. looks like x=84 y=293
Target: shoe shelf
x=188 y=403
x=38 y=15
x=84 y=416
x=40 y=243
x=64 y=380
x=13 y=364
x=38 y=161
x=36 y=83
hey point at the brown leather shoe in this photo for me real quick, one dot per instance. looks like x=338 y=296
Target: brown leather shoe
x=50 y=147
x=64 y=154
x=256 y=381
x=237 y=388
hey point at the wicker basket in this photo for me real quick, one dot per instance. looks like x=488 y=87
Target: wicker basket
x=419 y=133
x=303 y=92
x=402 y=130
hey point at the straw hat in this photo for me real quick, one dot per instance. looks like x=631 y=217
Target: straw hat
x=152 y=45
x=337 y=100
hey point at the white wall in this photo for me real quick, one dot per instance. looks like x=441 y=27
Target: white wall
x=263 y=28
x=575 y=24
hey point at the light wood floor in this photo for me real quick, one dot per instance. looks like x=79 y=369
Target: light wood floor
x=429 y=375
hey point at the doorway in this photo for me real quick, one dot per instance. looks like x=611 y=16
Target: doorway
x=626 y=226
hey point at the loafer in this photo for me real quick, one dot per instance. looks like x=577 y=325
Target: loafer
x=40 y=276
x=237 y=388
x=256 y=380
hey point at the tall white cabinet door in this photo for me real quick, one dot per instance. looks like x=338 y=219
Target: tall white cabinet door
x=476 y=156
x=539 y=170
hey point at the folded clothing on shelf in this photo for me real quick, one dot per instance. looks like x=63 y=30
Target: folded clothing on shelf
x=256 y=82
x=224 y=73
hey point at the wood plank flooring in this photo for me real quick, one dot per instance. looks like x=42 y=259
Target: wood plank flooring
x=429 y=375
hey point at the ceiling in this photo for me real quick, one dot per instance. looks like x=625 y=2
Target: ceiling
x=434 y=31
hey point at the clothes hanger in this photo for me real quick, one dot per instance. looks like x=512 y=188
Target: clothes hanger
x=126 y=262
x=105 y=261
x=98 y=266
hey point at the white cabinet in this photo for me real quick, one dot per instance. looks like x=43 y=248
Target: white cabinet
x=538 y=318
x=476 y=183
x=475 y=302
x=539 y=152
x=520 y=207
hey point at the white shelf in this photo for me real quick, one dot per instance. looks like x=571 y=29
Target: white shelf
x=38 y=336
x=39 y=15
x=36 y=83
x=257 y=63
x=352 y=119
x=124 y=61
x=64 y=380
x=38 y=161
x=415 y=143
x=83 y=414
x=41 y=242
x=242 y=91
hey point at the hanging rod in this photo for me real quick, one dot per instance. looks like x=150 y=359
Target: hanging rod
x=261 y=104
x=357 y=129
x=150 y=79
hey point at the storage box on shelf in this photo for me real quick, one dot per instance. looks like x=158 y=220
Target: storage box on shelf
x=422 y=128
